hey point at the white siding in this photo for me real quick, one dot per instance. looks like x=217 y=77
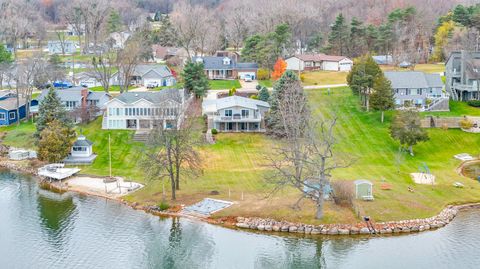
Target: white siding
x=293 y=63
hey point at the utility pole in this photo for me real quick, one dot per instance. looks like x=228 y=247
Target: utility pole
x=110 y=155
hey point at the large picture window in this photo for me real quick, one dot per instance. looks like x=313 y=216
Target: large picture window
x=228 y=113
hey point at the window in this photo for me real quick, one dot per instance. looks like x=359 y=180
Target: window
x=245 y=113
x=407 y=91
x=228 y=113
x=11 y=115
x=2 y=116
x=79 y=148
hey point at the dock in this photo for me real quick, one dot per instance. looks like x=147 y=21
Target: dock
x=57 y=171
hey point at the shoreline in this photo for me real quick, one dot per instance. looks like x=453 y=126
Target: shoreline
x=266 y=226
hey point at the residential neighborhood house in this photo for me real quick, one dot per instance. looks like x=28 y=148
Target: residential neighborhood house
x=149 y=74
x=55 y=47
x=79 y=97
x=309 y=62
x=462 y=72
x=217 y=67
x=144 y=110
x=235 y=114
x=418 y=89
x=8 y=108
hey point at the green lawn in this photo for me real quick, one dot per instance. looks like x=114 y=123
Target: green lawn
x=266 y=83
x=20 y=136
x=224 y=84
x=457 y=108
x=324 y=78
x=236 y=166
x=428 y=68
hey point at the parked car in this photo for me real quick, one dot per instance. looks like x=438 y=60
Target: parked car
x=248 y=78
x=152 y=85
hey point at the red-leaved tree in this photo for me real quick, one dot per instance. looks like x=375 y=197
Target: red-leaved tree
x=279 y=68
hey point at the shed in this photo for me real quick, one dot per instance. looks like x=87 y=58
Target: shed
x=82 y=152
x=363 y=189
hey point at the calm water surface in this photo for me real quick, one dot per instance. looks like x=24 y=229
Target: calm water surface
x=40 y=229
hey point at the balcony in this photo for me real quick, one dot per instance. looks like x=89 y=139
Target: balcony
x=237 y=118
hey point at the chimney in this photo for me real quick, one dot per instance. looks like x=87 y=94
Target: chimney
x=84 y=93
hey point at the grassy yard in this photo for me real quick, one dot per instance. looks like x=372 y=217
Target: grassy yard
x=20 y=136
x=428 y=68
x=324 y=78
x=331 y=77
x=236 y=166
x=224 y=84
x=266 y=83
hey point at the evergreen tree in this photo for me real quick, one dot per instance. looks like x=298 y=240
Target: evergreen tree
x=315 y=43
x=5 y=55
x=357 y=38
x=51 y=109
x=195 y=79
x=114 y=23
x=362 y=76
x=407 y=130
x=461 y=15
x=55 y=142
x=165 y=35
x=339 y=35
x=382 y=95
x=263 y=94
x=274 y=124
x=371 y=38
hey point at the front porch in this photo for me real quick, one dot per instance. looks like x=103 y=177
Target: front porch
x=254 y=127
x=220 y=74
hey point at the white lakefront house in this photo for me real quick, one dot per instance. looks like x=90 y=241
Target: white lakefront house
x=236 y=114
x=144 y=110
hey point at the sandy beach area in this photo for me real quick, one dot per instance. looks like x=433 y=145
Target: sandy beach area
x=96 y=186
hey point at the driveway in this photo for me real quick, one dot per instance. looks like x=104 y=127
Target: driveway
x=248 y=85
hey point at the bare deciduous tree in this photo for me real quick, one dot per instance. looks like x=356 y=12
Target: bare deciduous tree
x=103 y=68
x=305 y=158
x=173 y=152
x=127 y=61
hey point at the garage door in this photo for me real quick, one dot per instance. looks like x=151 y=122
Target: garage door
x=242 y=74
x=152 y=81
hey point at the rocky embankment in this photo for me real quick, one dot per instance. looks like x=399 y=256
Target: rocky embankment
x=16 y=166
x=390 y=227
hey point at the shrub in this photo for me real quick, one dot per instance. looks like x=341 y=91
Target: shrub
x=214 y=131
x=263 y=74
x=258 y=87
x=474 y=103
x=466 y=123
x=232 y=91
x=163 y=206
x=302 y=77
x=254 y=97
x=343 y=193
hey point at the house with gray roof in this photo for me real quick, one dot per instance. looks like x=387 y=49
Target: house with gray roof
x=75 y=97
x=218 y=67
x=235 y=114
x=417 y=89
x=144 y=110
x=8 y=108
x=149 y=74
x=462 y=72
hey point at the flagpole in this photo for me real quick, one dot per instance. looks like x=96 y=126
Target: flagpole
x=110 y=155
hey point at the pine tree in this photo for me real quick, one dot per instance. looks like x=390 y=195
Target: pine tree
x=407 y=130
x=55 y=142
x=51 y=109
x=382 y=96
x=263 y=94
x=5 y=55
x=339 y=35
x=196 y=81
x=362 y=76
x=114 y=22
x=273 y=121
x=357 y=38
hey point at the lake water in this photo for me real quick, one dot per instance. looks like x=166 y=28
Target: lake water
x=40 y=229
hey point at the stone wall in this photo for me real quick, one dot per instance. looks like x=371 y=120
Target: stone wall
x=391 y=227
x=450 y=122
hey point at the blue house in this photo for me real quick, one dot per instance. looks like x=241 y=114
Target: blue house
x=8 y=108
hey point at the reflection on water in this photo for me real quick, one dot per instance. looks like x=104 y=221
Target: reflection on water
x=39 y=229
x=55 y=213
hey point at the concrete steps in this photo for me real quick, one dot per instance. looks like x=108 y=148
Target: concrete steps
x=141 y=136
